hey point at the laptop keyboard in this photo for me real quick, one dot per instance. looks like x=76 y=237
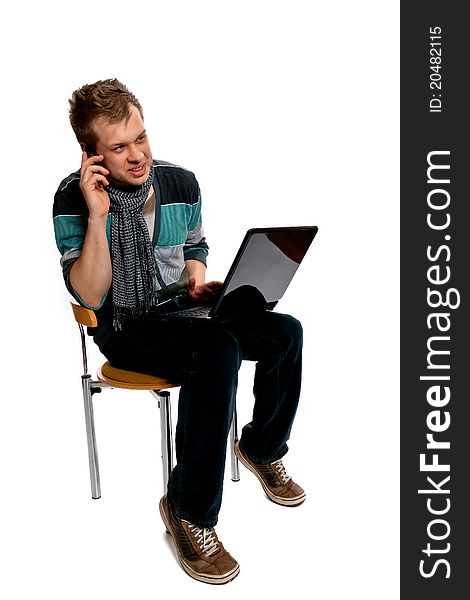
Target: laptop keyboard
x=195 y=311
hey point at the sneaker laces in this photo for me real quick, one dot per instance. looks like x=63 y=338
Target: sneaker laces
x=281 y=471
x=205 y=538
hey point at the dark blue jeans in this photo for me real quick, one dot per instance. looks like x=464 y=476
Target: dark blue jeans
x=206 y=357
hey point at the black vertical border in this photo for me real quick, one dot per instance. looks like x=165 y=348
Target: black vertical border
x=423 y=132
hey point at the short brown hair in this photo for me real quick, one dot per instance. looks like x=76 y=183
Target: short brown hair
x=108 y=98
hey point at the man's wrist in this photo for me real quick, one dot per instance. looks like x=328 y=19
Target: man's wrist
x=97 y=219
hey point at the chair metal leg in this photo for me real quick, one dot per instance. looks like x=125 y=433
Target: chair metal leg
x=167 y=434
x=91 y=440
x=233 y=440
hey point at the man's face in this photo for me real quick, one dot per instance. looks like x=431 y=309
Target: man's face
x=125 y=148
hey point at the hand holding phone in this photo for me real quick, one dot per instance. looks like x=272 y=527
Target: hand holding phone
x=93 y=181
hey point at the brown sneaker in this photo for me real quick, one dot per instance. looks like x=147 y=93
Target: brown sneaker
x=278 y=486
x=200 y=552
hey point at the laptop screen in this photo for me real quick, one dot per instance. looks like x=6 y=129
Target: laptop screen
x=267 y=260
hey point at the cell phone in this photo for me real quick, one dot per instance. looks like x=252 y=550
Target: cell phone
x=91 y=152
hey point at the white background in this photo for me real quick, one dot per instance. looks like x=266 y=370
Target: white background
x=288 y=114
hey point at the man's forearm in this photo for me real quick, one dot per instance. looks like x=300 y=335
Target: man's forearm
x=91 y=274
x=196 y=269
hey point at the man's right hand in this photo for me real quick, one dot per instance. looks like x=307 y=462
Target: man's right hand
x=92 y=180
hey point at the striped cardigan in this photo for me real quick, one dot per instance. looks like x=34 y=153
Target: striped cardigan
x=178 y=234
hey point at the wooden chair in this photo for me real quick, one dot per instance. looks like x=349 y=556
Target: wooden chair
x=110 y=377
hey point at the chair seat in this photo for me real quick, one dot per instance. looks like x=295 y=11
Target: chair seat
x=131 y=380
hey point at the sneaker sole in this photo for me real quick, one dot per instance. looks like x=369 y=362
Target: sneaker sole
x=296 y=501
x=213 y=579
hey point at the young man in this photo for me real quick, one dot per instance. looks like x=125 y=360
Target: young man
x=130 y=233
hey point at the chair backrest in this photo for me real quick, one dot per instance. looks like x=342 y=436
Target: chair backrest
x=84 y=316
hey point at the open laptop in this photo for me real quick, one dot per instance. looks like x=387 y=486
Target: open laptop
x=260 y=274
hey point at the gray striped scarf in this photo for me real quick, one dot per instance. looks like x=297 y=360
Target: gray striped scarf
x=132 y=255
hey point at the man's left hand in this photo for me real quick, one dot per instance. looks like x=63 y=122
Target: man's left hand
x=204 y=292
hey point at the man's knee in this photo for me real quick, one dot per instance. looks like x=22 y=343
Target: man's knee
x=290 y=330
x=295 y=326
